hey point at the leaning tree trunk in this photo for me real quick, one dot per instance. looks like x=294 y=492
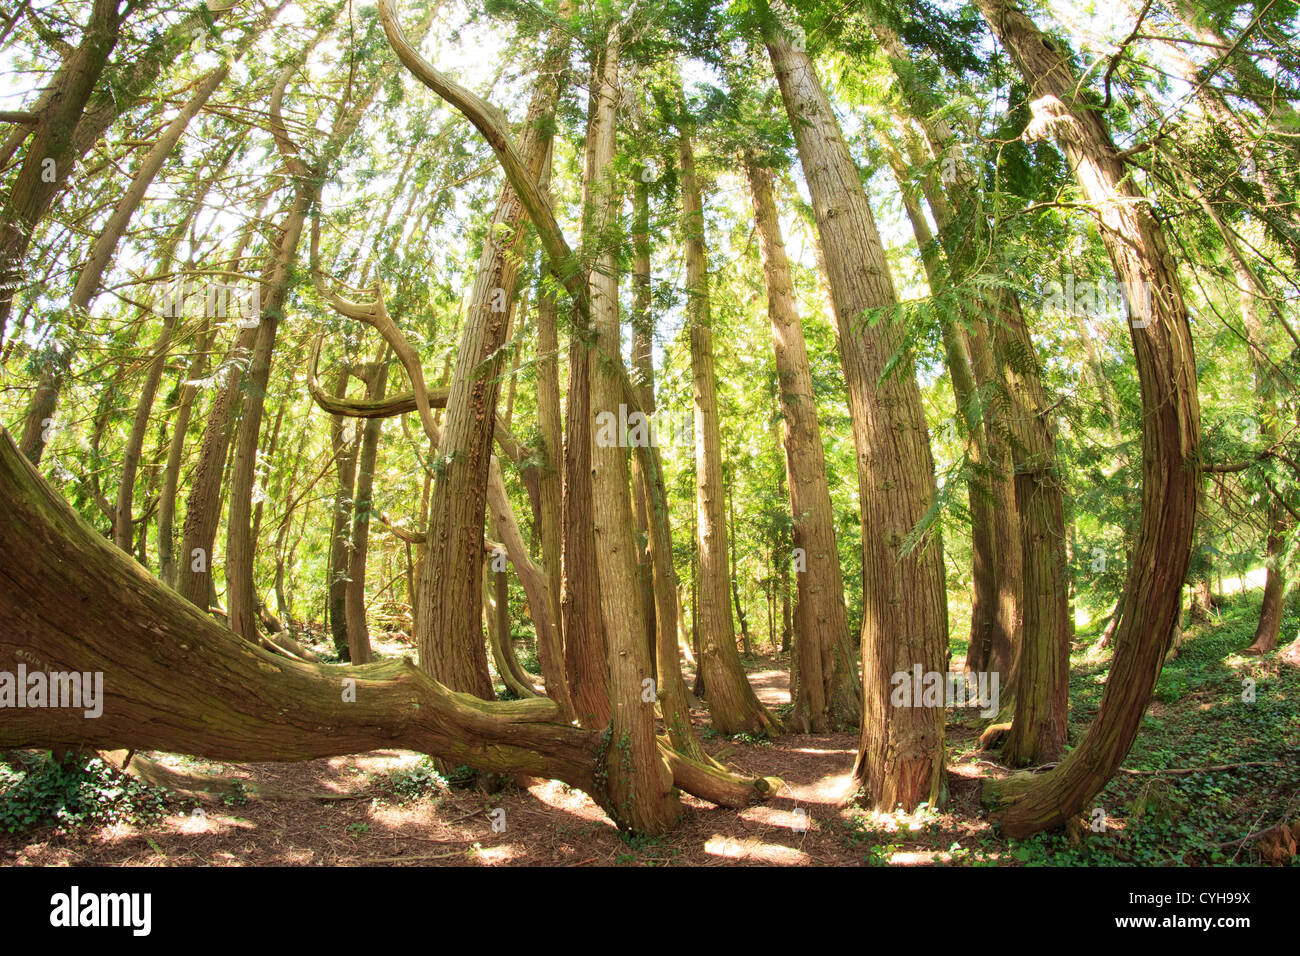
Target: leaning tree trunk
x=45 y=398
x=905 y=617
x=203 y=505
x=176 y=681
x=732 y=703
x=452 y=586
x=640 y=783
x=1162 y=346
x=829 y=689
x=354 y=600
x=344 y=445
x=169 y=566
x=241 y=595
x=51 y=150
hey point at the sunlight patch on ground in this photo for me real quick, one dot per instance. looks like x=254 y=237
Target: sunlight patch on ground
x=492 y=855
x=827 y=790
x=399 y=815
x=796 y=820
x=900 y=821
x=752 y=849
x=378 y=761
x=559 y=796
x=919 y=858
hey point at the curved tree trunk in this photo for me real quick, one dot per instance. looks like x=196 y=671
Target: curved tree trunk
x=496 y=608
x=176 y=681
x=534 y=582
x=1162 y=345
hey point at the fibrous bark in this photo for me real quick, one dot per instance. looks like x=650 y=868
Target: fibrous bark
x=1162 y=347
x=905 y=615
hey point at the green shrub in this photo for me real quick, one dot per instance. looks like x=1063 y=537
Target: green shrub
x=74 y=793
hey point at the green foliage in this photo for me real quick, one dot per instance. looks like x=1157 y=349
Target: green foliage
x=1200 y=720
x=73 y=794
x=412 y=782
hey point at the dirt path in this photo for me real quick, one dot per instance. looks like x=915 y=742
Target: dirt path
x=544 y=823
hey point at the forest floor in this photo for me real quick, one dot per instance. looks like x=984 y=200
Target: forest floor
x=394 y=808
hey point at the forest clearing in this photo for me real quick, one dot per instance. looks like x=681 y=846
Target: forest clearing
x=785 y=433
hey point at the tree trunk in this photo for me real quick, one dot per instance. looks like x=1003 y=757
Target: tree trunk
x=732 y=703
x=354 y=600
x=122 y=523
x=241 y=595
x=829 y=690
x=1269 y=627
x=1017 y=418
x=169 y=567
x=550 y=653
x=534 y=583
x=640 y=783
x=1162 y=345
x=905 y=618
x=182 y=683
x=50 y=155
x=33 y=205
x=45 y=398
x=345 y=457
x=451 y=585
x=496 y=606
x=734 y=576
x=643 y=367
x=584 y=638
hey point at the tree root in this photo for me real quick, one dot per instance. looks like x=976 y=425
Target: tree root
x=210 y=785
